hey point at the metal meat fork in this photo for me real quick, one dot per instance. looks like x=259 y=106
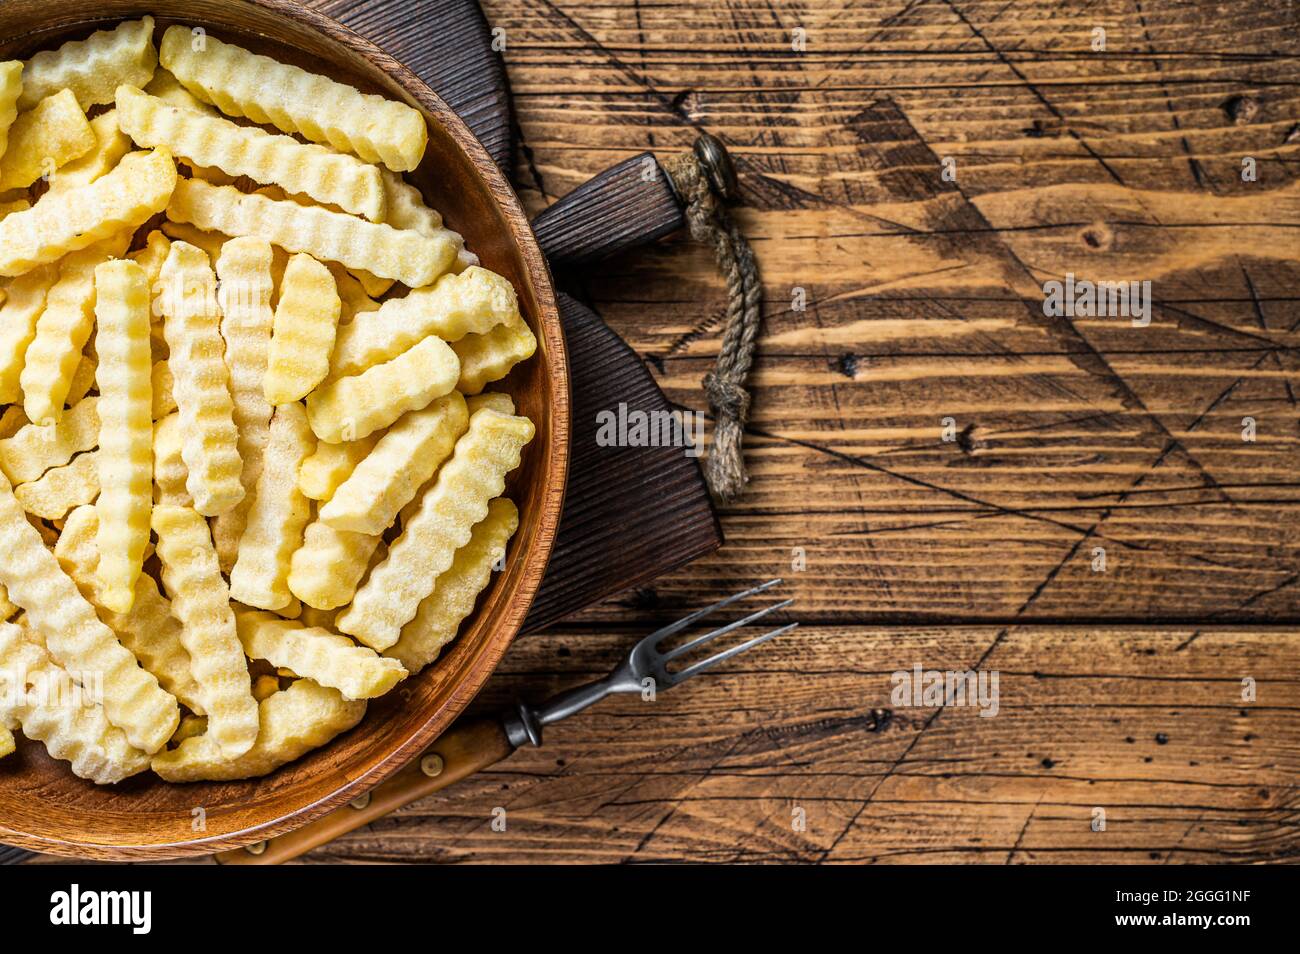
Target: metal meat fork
x=470 y=746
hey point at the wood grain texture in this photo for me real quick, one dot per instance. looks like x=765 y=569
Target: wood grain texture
x=924 y=301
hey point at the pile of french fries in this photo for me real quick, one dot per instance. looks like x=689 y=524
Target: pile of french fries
x=250 y=473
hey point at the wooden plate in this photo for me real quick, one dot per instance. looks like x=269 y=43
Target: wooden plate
x=42 y=805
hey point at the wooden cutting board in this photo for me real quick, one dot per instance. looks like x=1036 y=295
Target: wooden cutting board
x=631 y=514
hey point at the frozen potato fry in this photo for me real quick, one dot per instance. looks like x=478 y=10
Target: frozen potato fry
x=11 y=87
x=38 y=447
x=497 y=400
x=489 y=357
x=350 y=408
x=292 y=723
x=456 y=590
x=330 y=465
x=68 y=221
x=149 y=630
x=24 y=302
x=325 y=570
x=241 y=83
x=306 y=320
x=201 y=601
x=169 y=473
x=62 y=488
x=52 y=708
x=153 y=256
x=244 y=268
x=168 y=88
x=404 y=206
x=12 y=421
x=317 y=654
x=473 y=302
x=93 y=68
x=111 y=144
x=162 y=382
x=211 y=242
x=457 y=500
x=62 y=332
x=405 y=457
x=192 y=327
x=404 y=256
x=83 y=379
x=125 y=428
x=329 y=177
x=75 y=636
x=279 y=515
x=44 y=140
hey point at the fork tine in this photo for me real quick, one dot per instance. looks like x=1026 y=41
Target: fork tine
x=699 y=667
x=745 y=621
x=659 y=635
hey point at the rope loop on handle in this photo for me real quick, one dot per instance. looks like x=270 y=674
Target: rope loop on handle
x=710 y=224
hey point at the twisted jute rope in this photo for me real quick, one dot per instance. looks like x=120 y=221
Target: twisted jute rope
x=710 y=224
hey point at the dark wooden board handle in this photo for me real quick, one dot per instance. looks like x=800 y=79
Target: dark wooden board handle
x=630 y=204
x=465 y=748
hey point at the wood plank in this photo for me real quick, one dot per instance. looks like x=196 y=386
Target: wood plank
x=924 y=297
x=1146 y=723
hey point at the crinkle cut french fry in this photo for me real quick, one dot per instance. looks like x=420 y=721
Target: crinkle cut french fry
x=325 y=570
x=12 y=421
x=164 y=401
x=7 y=743
x=404 y=206
x=241 y=83
x=152 y=257
x=305 y=323
x=62 y=488
x=168 y=88
x=125 y=428
x=201 y=601
x=244 y=268
x=54 y=709
x=149 y=630
x=93 y=68
x=50 y=136
x=329 y=177
x=279 y=514
x=83 y=379
x=11 y=87
x=68 y=221
x=317 y=654
x=211 y=242
x=293 y=722
x=18 y=316
x=7 y=607
x=473 y=302
x=497 y=400
x=192 y=326
x=325 y=470
x=348 y=409
x=456 y=591
x=456 y=501
x=489 y=357
x=111 y=144
x=62 y=332
x=75 y=636
x=405 y=256
x=169 y=473
x=405 y=457
x=38 y=447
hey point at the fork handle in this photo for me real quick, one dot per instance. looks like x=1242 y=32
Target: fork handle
x=465 y=748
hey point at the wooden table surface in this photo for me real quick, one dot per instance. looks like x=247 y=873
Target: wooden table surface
x=1124 y=692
